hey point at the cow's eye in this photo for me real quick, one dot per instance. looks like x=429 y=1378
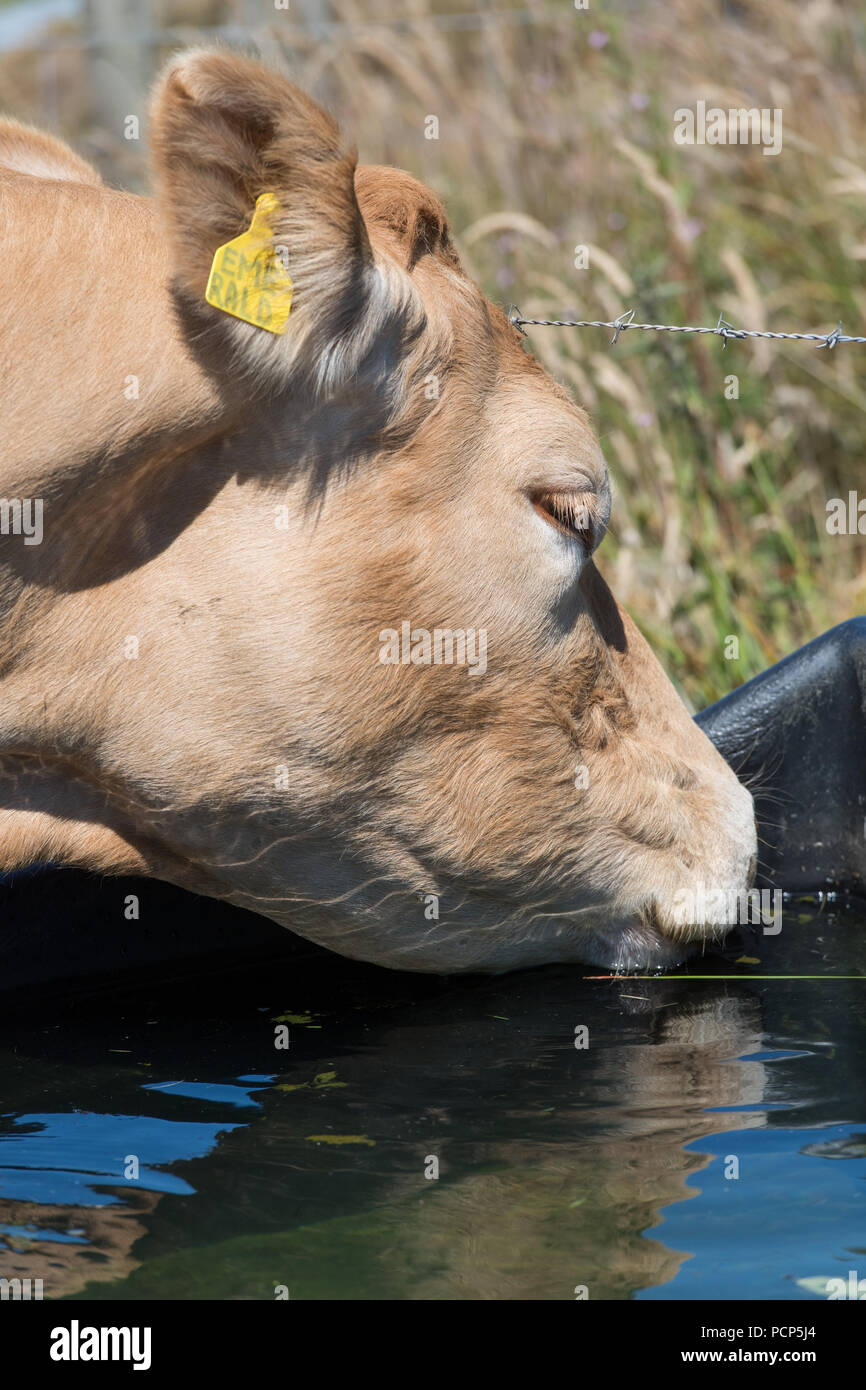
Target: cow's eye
x=572 y=512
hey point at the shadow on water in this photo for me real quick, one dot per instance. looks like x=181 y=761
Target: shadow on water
x=158 y=1145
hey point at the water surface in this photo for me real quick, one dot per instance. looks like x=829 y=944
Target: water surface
x=709 y=1143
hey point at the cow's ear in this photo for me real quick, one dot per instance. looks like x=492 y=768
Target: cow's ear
x=226 y=132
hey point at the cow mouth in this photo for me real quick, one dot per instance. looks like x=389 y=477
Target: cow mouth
x=645 y=942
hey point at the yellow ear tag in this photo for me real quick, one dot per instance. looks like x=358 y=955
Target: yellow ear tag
x=247 y=278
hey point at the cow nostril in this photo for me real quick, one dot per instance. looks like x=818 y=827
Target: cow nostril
x=753 y=864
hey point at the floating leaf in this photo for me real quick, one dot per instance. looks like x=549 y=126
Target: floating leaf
x=324 y=1081
x=340 y=1139
x=818 y=1284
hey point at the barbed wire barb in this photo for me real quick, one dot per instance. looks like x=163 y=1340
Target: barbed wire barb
x=833 y=338
x=726 y=330
x=621 y=324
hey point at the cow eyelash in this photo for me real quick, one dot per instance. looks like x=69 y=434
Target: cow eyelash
x=572 y=512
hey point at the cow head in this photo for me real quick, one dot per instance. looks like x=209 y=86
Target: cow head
x=316 y=625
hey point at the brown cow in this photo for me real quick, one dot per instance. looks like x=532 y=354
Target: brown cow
x=309 y=620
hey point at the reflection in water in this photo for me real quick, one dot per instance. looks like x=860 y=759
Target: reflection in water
x=610 y=1167
x=793 y=1195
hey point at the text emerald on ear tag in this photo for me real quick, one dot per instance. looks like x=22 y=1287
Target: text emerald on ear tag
x=247 y=278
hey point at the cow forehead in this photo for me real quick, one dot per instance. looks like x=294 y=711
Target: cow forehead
x=538 y=430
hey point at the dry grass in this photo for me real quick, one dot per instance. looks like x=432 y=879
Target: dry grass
x=560 y=133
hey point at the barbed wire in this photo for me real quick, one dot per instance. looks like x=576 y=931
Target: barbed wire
x=723 y=329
